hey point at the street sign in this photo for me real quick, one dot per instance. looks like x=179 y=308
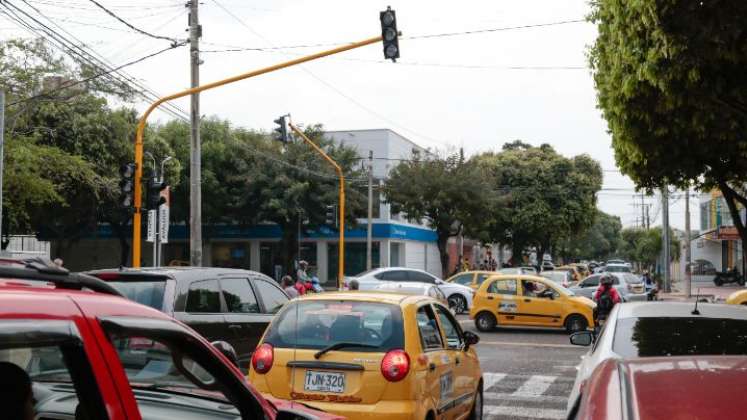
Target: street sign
x=151 y=237
x=163 y=224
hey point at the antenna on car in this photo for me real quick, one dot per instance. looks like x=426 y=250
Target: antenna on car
x=697 y=299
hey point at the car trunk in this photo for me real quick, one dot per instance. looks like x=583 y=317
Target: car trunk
x=319 y=379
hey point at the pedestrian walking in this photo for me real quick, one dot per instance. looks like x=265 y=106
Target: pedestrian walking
x=290 y=290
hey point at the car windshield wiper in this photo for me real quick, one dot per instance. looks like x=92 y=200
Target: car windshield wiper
x=338 y=346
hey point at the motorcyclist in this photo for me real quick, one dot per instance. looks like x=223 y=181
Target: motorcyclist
x=606 y=297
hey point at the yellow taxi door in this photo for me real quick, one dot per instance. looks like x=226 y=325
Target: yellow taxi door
x=540 y=304
x=465 y=363
x=502 y=298
x=438 y=381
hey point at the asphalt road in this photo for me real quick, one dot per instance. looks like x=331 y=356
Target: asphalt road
x=528 y=373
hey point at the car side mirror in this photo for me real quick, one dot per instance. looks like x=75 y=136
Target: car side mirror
x=582 y=338
x=470 y=339
x=227 y=350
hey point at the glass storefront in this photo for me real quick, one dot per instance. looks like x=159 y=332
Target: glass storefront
x=355 y=259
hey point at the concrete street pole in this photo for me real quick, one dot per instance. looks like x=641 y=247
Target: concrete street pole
x=369 y=233
x=195 y=155
x=688 y=250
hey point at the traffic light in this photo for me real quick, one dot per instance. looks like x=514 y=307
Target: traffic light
x=390 y=34
x=126 y=184
x=153 y=194
x=331 y=216
x=281 y=132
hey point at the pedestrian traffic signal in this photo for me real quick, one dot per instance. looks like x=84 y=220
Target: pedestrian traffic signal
x=390 y=34
x=331 y=216
x=281 y=132
x=126 y=184
x=153 y=194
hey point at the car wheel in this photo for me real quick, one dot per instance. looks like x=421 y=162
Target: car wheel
x=718 y=281
x=476 y=413
x=485 y=321
x=576 y=323
x=458 y=303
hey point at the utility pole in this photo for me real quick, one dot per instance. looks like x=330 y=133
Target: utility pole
x=369 y=233
x=2 y=158
x=665 y=238
x=643 y=212
x=648 y=218
x=688 y=251
x=195 y=154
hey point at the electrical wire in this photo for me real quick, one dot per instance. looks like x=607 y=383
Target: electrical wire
x=174 y=41
x=79 y=53
x=96 y=76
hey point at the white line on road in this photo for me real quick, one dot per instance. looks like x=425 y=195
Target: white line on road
x=503 y=396
x=516 y=343
x=535 y=386
x=535 y=413
x=489 y=379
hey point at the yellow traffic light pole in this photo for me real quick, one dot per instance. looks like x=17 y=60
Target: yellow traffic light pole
x=341 y=242
x=138 y=196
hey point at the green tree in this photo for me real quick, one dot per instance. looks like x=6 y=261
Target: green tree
x=670 y=80
x=644 y=245
x=600 y=242
x=550 y=197
x=445 y=192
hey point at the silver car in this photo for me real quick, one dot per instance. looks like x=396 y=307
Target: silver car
x=661 y=329
x=628 y=285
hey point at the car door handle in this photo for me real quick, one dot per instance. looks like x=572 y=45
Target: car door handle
x=234 y=326
x=490 y=297
x=527 y=300
x=458 y=360
x=432 y=367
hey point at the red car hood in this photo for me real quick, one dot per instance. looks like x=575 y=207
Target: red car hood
x=294 y=406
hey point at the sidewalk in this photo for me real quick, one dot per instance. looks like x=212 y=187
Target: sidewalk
x=706 y=291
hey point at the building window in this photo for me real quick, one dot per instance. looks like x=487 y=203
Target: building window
x=355 y=259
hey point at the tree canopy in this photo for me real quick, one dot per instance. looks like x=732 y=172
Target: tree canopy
x=670 y=81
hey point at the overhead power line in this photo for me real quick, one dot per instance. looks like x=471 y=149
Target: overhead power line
x=488 y=30
x=174 y=41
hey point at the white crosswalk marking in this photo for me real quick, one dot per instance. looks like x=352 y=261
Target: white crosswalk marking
x=489 y=379
x=502 y=396
x=530 y=412
x=535 y=386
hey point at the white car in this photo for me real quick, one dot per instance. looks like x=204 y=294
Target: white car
x=414 y=288
x=458 y=296
x=661 y=329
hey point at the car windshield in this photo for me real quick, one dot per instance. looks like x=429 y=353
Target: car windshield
x=617 y=269
x=510 y=271
x=555 y=276
x=632 y=278
x=318 y=324
x=147 y=292
x=645 y=337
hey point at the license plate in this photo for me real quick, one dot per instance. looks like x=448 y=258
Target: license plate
x=324 y=381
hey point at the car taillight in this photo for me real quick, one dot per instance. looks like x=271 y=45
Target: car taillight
x=262 y=358
x=395 y=365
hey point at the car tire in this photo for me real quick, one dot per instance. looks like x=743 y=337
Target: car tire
x=485 y=321
x=740 y=281
x=717 y=281
x=476 y=413
x=458 y=303
x=576 y=323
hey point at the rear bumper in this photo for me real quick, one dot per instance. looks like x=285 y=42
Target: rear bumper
x=390 y=410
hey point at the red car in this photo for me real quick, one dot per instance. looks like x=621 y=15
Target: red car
x=90 y=354
x=682 y=387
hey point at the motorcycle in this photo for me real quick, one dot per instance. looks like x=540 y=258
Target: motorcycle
x=730 y=276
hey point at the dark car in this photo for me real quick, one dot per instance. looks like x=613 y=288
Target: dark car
x=683 y=387
x=701 y=268
x=220 y=303
x=91 y=354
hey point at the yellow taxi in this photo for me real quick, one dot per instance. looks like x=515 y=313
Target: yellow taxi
x=737 y=298
x=471 y=279
x=371 y=355
x=529 y=301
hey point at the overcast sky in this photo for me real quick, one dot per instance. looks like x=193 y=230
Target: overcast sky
x=475 y=91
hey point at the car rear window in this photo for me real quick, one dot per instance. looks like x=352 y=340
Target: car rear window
x=319 y=324
x=617 y=269
x=645 y=337
x=145 y=291
x=632 y=278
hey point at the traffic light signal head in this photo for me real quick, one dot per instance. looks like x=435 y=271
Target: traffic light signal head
x=281 y=132
x=126 y=184
x=331 y=216
x=153 y=194
x=390 y=34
